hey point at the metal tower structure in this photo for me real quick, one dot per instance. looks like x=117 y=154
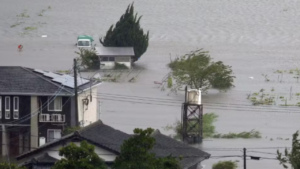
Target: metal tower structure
x=192 y=117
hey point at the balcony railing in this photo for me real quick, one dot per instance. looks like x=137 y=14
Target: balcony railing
x=52 y=118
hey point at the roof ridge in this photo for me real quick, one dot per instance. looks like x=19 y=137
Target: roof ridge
x=90 y=126
x=25 y=68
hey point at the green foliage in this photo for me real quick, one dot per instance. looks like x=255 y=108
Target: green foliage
x=225 y=165
x=135 y=153
x=70 y=130
x=170 y=82
x=30 y=28
x=251 y=134
x=210 y=131
x=88 y=58
x=197 y=70
x=127 y=33
x=293 y=157
x=82 y=157
x=6 y=165
x=119 y=66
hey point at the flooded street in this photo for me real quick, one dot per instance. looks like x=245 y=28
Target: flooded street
x=254 y=37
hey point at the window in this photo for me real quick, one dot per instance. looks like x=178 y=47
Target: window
x=16 y=108
x=104 y=59
x=112 y=59
x=53 y=134
x=7 y=107
x=7 y=103
x=0 y=107
x=55 y=105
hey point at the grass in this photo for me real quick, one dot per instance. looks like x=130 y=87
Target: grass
x=209 y=130
x=30 y=28
x=23 y=15
x=16 y=24
x=250 y=134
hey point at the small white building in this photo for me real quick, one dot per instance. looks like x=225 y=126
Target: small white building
x=109 y=56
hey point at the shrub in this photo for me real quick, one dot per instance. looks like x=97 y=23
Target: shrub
x=120 y=66
x=225 y=165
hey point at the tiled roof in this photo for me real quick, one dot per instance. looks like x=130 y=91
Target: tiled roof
x=111 y=139
x=16 y=80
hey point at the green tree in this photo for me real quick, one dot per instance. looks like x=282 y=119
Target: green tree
x=197 y=70
x=293 y=157
x=70 y=130
x=135 y=153
x=225 y=165
x=127 y=33
x=6 y=165
x=82 y=157
x=88 y=58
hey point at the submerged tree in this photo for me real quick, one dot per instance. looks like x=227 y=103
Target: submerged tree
x=197 y=70
x=292 y=157
x=127 y=33
x=88 y=58
x=83 y=157
x=135 y=153
x=225 y=165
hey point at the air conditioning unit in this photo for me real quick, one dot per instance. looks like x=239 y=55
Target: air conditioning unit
x=44 y=118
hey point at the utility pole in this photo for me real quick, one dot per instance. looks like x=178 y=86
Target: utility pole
x=245 y=158
x=76 y=93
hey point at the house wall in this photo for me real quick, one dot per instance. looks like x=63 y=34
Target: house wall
x=126 y=60
x=88 y=114
x=24 y=109
x=44 y=126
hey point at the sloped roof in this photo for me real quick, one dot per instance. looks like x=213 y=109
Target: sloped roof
x=114 y=51
x=111 y=139
x=17 y=80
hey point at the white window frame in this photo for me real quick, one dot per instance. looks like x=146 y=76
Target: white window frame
x=53 y=100
x=54 y=131
x=8 y=104
x=0 y=107
x=7 y=111
x=16 y=111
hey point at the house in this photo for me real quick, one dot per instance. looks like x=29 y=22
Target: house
x=36 y=105
x=107 y=142
x=109 y=56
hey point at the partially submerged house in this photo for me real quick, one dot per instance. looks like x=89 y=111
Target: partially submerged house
x=36 y=105
x=109 y=56
x=108 y=141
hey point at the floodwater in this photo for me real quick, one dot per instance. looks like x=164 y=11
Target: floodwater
x=255 y=37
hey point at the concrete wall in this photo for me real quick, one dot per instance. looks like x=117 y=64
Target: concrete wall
x=88 y=113
x=34 y=123
x=126 y=60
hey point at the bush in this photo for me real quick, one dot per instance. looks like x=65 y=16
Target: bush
x=89 y=58
x=225 y=165
x=120 y=66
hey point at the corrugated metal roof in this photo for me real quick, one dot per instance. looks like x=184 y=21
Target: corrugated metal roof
x=114 y=51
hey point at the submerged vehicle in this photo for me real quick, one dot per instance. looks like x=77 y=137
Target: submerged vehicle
x=84 y=41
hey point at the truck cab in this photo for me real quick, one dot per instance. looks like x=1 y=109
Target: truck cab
x=84 y=41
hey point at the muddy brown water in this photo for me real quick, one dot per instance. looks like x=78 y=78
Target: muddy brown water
x=254 y=37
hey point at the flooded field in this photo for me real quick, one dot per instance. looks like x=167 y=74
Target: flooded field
x=254 y=37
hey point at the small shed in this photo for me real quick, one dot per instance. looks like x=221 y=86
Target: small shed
x=109 y=56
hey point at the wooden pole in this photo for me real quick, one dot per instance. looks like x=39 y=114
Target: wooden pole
x=76 y=93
